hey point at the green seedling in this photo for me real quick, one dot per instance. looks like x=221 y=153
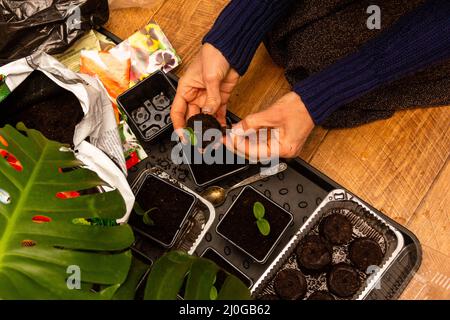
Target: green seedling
x=259 y=211
x=144 y=214
x=192 y=136
x=214 y=294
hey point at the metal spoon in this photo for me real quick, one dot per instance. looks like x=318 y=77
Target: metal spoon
x=217 y=195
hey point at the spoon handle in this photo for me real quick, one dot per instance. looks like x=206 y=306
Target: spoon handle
x=262 y=175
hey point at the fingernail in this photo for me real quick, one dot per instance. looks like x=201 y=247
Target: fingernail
x=207 y=110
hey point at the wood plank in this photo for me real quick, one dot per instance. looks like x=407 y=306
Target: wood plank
x=392 y=163
x=431 y=221
x=124 y=22
x=432 y=281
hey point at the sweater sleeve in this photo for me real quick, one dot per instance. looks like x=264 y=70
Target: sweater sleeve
x=241 y=27
x=416 y=41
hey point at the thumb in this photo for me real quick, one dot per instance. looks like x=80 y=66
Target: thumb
x=213 y=98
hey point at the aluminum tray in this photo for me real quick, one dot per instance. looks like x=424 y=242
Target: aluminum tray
x=366 y=223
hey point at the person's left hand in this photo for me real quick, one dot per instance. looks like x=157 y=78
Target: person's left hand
x=291 y=121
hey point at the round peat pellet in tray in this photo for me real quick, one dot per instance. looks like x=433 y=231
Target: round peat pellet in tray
x=318 y=282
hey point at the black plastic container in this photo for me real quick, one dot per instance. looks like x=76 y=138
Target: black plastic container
x=147 y=106
x=171 y=207
x=205 y=174
x=238 y=226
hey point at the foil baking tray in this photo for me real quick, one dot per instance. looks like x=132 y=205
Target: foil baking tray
x=366 y=223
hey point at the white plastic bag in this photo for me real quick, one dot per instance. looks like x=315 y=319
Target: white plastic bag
x=98 y=123
x=119 y=4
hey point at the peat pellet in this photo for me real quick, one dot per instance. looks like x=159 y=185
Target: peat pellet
x=321 y=295
x=290 y=284
x=313 y=254
x=337 y=229
x=207 y=122
x=365 y=252
x=343 y=280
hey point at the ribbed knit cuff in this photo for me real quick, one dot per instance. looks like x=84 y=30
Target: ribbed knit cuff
x=326 y=91
x=241 y=27
x=416 y=41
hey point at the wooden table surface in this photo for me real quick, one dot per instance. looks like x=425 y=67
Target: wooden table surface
x=401 y=165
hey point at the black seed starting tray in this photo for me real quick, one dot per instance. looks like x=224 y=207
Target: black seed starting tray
x=299 y=190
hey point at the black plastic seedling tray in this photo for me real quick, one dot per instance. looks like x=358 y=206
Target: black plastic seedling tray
x=169 y=208
x=300 y=189
x=239 y=227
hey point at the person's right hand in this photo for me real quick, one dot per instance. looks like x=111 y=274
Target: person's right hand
x=205 y=87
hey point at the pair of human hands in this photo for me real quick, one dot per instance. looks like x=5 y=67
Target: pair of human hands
x=206 y=87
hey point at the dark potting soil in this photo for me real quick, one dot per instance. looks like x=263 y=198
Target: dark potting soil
x=203 y=122
x=239 y=224
x=172 y=207
x=225 y=265
x=42 y=105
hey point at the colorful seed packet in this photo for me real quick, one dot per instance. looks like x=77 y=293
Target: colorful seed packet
x=123 y=66
x=149 y=51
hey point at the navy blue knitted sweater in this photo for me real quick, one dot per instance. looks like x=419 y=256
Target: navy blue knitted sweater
x=414 y=42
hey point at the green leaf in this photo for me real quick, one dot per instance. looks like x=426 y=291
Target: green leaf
x=263 y=226
x=213 y=295
x=34 y=257
x=138 y=209
x=192 y=136
x=200 y=280
x=167 y=276
x=258 y=210
x=233 y=289
x=147 y=220
x=169 y=273
x=127 y=290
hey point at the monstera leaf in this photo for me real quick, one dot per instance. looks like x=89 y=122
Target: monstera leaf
x=198 y=275
x=51 y=232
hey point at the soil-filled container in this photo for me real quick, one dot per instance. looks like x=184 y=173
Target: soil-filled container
x=161 y=210
x=204 y=173
x=240 y=226
x=147 y=106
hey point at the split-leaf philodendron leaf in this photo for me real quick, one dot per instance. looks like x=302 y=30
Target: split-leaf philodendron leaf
x=170 y=272
x=41 y=249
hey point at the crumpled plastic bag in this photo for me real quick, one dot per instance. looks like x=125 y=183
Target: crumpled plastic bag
x=41 y=82
x=46 y=25
x=119 y=4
